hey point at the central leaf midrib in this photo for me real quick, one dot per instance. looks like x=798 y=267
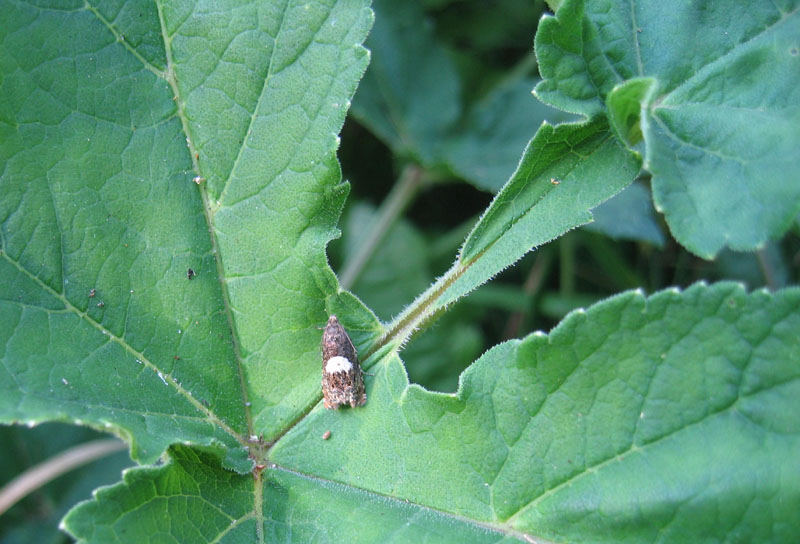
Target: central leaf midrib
x=208 y=212
x=219 y=201
x=172 y=81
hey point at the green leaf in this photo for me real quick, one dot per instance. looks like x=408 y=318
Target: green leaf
x=192 y=499
x=628 y=216
x=204 y=503
x=720 y=121
x=524 y=214
x=410 y=96
x=278 y=197
x=36 y=517
x=485 y=149
x=565 y=171
x=624 y=105
x=101 y=221
x=669 y=417
x=640 y=418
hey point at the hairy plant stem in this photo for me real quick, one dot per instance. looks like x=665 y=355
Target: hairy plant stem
x=407 y=185
x=423 y=308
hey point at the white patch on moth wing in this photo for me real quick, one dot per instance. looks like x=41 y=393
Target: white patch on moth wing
x=338 y=364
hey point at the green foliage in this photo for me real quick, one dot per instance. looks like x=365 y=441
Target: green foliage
x=414 y=99
x=23 y=449
x=139 y=142
x=720 y=107
x=633 y=390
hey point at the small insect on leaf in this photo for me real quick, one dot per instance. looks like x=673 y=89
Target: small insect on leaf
x=342 y=378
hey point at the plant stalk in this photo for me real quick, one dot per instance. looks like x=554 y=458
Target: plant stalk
x=43 y=473
x=404 y=190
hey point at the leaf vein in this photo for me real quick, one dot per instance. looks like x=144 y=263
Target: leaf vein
x=633 y=447
x=208 y=414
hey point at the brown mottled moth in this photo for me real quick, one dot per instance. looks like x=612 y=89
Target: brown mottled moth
x=342 y=380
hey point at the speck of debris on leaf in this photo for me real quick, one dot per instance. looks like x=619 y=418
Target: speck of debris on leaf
x=326 y=435
x=190 y=274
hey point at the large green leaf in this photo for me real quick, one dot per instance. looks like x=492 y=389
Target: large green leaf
x=103 y=126
x=291 y=507
x=670 y=417
x=101 y=221
x=714 y=90
x=666 y=418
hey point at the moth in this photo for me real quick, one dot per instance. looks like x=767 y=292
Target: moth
x=342 y=378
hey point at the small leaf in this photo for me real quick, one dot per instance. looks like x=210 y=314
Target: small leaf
x=721 y=124
x=624 y=104
x=565 y=171
x=485 y=149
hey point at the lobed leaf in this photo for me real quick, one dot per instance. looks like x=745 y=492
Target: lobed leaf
x=661 y=418
x=101 y=222
x=717 y=91
x=667 y=417
x=278 y=194
x=202 y=502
